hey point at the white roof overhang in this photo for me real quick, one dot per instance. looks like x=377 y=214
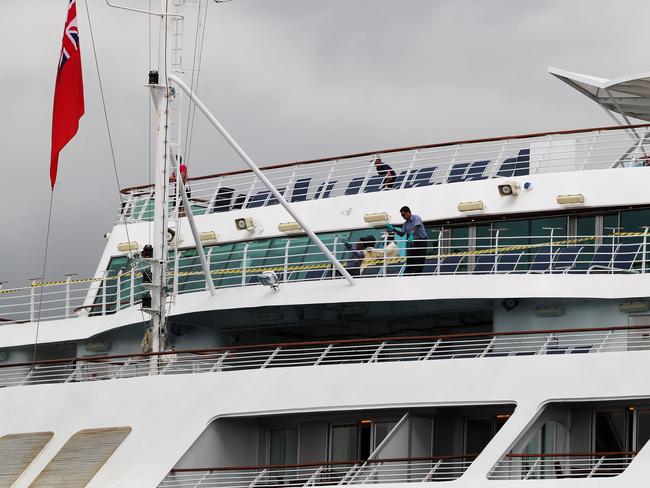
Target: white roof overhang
x=628 y=95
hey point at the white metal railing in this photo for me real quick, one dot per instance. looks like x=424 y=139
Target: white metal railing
x=414 y=167
x=296 y=260
x=568 y=342
x=561 y=465
x=408 y=470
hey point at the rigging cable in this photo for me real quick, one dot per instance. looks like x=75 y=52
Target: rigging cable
x=110 y=142
x=188 y=143
x=196 y=42
x=40 y=299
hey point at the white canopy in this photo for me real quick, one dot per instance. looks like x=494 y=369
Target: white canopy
x=628 y=95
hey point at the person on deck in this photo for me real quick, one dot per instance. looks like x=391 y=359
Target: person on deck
x=416 y=237
x=188 y=190
x=387 y=172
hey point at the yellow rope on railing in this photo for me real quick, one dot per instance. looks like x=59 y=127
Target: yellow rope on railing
x=300 y=267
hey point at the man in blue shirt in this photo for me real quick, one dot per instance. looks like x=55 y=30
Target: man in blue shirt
x=416 y=237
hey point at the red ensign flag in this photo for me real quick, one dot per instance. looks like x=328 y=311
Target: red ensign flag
x=68 y=92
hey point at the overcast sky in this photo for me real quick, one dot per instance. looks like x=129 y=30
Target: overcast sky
x=291 y=79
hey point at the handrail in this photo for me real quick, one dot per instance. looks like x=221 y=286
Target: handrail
x=377 y=340
x=327 y=463
x=573 y=454
x=399 y=149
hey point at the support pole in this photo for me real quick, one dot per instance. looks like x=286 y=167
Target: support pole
x=251 y=164
x=195 y=232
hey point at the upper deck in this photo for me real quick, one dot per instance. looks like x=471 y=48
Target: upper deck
x=415 y=166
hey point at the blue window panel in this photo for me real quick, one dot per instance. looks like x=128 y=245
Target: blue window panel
x=423 y=176
x=476 y=171
x=239 y=201
x=300 y=190
x=517 y=166
x=373 y=184
x=327 y=190
x=354 y=186
x=258 y=200
x=273 y=200
x=457 y=173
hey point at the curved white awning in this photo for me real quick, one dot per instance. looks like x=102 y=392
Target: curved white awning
x=628 y=95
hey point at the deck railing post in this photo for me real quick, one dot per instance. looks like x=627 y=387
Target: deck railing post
x=243 y=265
x=285 y=271
x=105 y=279
x=132 y=286
x=118 y=291
x=645 y=244
x=32 y=300
x=409 y=169
x=67 y=294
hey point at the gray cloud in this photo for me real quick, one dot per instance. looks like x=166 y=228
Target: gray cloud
x=291 y=79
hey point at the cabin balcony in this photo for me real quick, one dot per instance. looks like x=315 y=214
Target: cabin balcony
x=340 y=448
x=502 y=346
x=578 y=440
x=434 y=164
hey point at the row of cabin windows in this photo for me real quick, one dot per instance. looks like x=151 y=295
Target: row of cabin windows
x=230 y=258
x=356 y=441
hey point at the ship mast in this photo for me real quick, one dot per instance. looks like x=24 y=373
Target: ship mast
x=161 y=97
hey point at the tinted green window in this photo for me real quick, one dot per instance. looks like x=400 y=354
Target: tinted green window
x=116 y=266
x=459 y=239
x=190 y=272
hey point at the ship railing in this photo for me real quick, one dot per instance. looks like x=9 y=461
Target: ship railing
x=561 y=465
x=417 y=166
x=376 y=471
x=294 y=260
x=483 y=346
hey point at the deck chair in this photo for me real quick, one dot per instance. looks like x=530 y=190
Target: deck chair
x=457 y=173
x=371 y=271
x=602 y=258
x=373 y=184
x=315 y=274
x=507 y=263
x=258 y=200
x=541 y=261
x=354 y=186
x=565 y=258
x=274 y=201
x=430 y=266
x=476 y=171
x=324 y=191
x=450 y=264
x=423 y=176
x=484 y=264
x=239 y=201
x=623 y=260
x=516 y=166
x=222 y=200
x=404 y=176
x=394 y=269
x=300 y=190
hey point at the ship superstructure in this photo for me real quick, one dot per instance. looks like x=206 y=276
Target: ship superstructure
x=513 y=355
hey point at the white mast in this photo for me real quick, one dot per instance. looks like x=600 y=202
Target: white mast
x=160 y=94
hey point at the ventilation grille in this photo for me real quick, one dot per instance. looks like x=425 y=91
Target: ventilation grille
x=17 y=451
x=81 y=458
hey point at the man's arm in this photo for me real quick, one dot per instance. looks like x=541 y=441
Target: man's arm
x=397 y=231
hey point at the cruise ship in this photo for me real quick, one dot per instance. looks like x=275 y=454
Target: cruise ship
x=294 y=326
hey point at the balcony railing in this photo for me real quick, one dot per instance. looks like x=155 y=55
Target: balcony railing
x=407 y=470
x=297 y=260
x=567 y=342
x=421 y=166
x=561 y=465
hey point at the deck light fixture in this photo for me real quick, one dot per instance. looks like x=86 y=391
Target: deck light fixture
x=208 y=236
x=244 y=223
x=269 y=278
x=376 y=218
x=633 y=306
x=471 y=206
x=576 y=199
x=289 y=227
x=509 y=189
x=128 y=246
x=549 y=311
